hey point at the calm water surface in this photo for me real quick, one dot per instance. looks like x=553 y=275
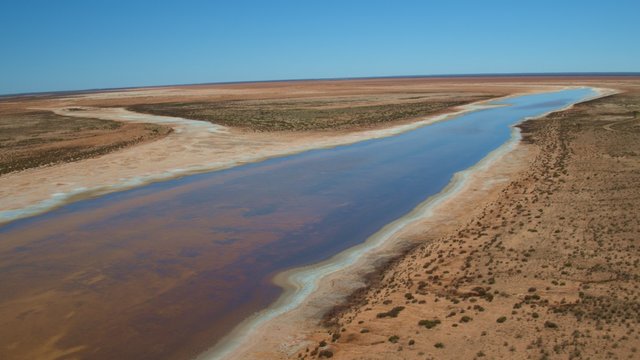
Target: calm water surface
x=164 y=270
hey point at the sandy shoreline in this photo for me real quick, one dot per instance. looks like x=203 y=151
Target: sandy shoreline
x=186 y=151
x=197 y=146
x=312 y=289
x=537 y=268
x=197 y=142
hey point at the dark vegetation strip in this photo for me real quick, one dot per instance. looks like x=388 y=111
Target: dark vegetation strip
x=295 y=116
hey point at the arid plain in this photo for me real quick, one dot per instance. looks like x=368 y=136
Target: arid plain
x=539 y=259
x=537 y=256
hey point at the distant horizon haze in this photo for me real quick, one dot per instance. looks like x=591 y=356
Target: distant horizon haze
x=431 y=76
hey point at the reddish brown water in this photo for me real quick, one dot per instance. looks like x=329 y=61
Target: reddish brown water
x=165 y=270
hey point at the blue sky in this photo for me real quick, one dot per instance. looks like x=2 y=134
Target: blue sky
x=68 y=44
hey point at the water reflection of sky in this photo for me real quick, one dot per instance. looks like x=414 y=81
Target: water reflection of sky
x=227 y=232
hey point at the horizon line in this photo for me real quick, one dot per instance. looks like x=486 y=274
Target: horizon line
x=460 y=75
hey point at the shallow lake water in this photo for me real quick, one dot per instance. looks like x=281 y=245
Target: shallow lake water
x=164 y=270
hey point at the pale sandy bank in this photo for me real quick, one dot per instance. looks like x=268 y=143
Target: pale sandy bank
x=193 y=147
x=288 y=326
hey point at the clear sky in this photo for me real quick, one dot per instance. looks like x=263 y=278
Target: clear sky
x=67 y=44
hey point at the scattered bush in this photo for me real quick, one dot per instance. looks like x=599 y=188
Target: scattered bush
x=391 y=313
x=550 y=325
x=429 y=324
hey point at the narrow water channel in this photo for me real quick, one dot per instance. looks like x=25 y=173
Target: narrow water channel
x=164 y=270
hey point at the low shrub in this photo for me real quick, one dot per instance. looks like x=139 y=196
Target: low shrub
x=429 y=324
x=391 y=313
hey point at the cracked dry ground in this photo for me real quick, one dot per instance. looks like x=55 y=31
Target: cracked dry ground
x=548 y=270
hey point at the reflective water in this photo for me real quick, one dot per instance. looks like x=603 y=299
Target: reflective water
x=164 y=270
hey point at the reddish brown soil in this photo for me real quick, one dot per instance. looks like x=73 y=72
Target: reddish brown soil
x=582 y=176
x=546 y=268
x=38 y=138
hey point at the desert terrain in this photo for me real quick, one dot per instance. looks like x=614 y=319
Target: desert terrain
x=345 y=112
x=53 y=301
x=541 y=264
x=37 y=138
x=536 y=257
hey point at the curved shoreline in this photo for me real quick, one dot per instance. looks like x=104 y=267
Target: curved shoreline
x=299 y=283
x=289 y=145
